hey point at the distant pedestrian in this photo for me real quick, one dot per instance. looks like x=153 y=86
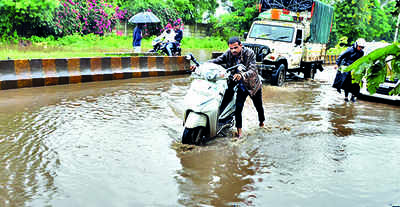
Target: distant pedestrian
x=344 y=80
x=137 y=38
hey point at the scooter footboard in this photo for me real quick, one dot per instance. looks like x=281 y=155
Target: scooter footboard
x=194 y=120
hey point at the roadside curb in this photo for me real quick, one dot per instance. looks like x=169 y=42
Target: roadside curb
x=46 y=72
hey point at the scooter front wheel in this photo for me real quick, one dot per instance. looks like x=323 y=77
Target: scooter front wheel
x=193 y=136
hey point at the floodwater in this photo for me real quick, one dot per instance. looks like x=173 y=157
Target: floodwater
x=116 y=143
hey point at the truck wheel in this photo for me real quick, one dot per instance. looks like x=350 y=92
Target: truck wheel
x=309 y=72
x=279 y=79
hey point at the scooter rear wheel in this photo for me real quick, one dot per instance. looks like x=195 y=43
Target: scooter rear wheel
x=193 y=136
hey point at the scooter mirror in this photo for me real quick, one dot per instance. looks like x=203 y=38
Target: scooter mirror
x=192 y=58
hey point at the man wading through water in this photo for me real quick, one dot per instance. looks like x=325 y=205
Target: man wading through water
x=248 y=81
x=343 y=80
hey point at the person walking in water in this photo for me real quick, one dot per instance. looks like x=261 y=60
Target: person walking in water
x=137 y=38
x=344 y=80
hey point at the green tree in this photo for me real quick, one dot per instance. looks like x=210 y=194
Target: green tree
x=26 y=17
x=239 y=20
x=380 y=23
x=370 y=19
x=350 y=19
x=190 y=11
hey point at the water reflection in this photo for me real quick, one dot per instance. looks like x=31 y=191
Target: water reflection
x=217 y=176
x=29 y=166
x=342 y=117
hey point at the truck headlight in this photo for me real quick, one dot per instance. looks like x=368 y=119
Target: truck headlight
x=264 y=51
x=270 y=57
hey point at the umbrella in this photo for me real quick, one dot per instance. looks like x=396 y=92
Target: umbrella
x=144 y=17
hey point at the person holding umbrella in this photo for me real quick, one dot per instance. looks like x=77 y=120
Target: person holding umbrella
x=137 y=37
x=140 y=19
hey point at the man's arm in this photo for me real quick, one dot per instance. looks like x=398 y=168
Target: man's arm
x=343 y=55
x=222 y=59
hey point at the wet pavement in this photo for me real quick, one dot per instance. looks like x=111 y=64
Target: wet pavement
x=116 y=143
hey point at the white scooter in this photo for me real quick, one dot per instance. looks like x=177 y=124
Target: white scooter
x=203 y=119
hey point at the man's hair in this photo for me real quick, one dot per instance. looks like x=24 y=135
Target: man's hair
x=232 y=40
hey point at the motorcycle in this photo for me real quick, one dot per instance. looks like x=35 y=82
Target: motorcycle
x=203 y=118
x=161 y=47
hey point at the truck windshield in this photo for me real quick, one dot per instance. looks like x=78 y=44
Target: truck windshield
x=272 y=32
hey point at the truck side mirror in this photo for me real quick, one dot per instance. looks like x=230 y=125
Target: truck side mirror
x=245 y=35
x=299 y=37
x=298 y=41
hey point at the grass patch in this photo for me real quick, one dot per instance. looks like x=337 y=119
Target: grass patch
x=91 y=46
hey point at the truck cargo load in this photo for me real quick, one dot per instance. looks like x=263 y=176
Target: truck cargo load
x=320 y=14
x=291 y=5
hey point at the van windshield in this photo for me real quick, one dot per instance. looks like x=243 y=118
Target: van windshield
x=272 y=32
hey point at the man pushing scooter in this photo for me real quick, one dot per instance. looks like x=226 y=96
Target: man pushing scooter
x=247 y=80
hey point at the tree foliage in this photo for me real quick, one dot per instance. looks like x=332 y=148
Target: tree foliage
x=23 y=16
x=84 y=17
x=57 y=17
x=239 y=20
x=364 y=18
x=62 y=17
x=190 y=11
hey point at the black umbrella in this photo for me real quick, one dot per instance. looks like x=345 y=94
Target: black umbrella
x=144 y=17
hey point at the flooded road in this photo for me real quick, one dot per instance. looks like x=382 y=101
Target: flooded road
x=116 y=143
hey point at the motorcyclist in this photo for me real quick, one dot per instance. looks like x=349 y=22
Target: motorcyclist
x=179 y=33
x=248 y=80
x=168 y=36
x=343 y=80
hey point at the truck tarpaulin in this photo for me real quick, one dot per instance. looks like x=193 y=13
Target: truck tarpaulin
x=321 y=22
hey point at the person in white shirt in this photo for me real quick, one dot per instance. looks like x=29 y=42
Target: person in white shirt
x=169 y=38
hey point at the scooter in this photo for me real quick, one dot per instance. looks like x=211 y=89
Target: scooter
x=203 y=118
x=160 y=46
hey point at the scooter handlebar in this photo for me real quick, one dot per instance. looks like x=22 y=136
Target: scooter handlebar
x=235 y=69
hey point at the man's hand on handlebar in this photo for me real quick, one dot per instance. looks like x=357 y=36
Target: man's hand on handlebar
x=193 y=67
x=237 y=77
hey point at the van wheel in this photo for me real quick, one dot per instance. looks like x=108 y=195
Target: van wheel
x=279 y=79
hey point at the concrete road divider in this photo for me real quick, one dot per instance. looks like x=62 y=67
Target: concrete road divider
x=46 y=72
